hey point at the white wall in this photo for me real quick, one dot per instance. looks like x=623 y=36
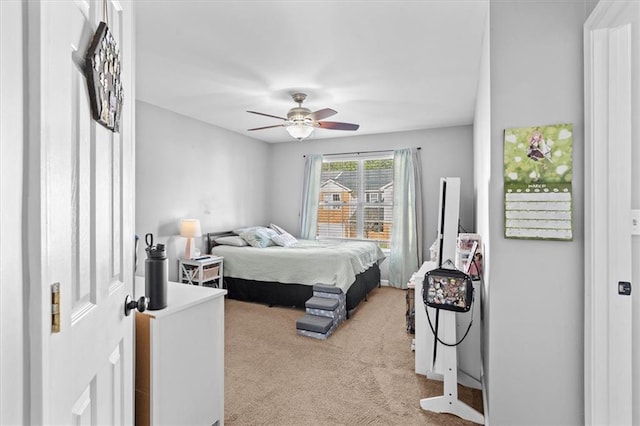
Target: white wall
x=186 y=168
x=536 y=287
x=14 y=376
x=445 y=152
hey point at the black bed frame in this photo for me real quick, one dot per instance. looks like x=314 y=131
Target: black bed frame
x=295 y=295
x=279 y=294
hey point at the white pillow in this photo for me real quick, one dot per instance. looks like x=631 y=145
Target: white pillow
x=284 y=240
x=277 y=229
x=242 y=229
x=231 y=240
x=259 y=237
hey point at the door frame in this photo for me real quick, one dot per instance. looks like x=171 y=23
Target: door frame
x=39 y=323
x=608 y=84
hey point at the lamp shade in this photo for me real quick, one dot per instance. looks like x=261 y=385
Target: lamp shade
x=190 y=228
x=300 y=130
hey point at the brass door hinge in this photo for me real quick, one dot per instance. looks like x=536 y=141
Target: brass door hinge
x=55 y=308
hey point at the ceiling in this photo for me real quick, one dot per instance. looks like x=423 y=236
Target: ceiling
x=387 y=65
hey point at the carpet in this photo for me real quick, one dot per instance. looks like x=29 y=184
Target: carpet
x=362 y=375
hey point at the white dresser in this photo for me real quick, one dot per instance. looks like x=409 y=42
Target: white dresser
x=180 y=358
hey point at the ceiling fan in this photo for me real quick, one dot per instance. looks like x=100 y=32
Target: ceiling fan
x=301 y=122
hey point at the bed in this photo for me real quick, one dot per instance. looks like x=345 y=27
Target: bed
x=284 y=275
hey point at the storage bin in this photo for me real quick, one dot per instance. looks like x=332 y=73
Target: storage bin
x=211 y=272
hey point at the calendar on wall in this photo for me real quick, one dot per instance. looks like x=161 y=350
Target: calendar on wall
x=538 y=172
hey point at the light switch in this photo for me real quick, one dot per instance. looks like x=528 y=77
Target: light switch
x=624 y=288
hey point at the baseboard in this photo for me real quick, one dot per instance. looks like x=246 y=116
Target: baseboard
x=485 y=402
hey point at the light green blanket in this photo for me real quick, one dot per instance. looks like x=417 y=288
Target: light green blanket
x=307 y=262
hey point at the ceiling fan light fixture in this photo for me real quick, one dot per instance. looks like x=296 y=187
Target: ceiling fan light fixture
x=301 y=121
x=300 y=131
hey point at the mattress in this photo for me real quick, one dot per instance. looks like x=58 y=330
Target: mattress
x=308 y=262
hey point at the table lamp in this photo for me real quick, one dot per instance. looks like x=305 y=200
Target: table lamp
x=190 y=228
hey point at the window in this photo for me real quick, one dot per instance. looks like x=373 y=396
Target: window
x=356 y=199
x=372 y=197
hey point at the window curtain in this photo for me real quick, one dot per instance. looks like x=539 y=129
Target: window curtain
x=406 y=231
x=310 y=197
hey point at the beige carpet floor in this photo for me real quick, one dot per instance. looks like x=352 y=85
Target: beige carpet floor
x=362 y=375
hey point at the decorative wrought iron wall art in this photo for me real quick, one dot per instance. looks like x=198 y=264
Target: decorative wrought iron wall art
x=103 y=68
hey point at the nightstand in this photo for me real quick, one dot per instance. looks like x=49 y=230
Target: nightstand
x=205 y=272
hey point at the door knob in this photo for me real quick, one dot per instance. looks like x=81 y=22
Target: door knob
x=140 y=304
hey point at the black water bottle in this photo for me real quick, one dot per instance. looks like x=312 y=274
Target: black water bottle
x=155 y=274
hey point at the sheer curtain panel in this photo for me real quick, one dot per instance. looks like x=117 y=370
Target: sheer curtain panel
x=406 y=232
x=310 y=196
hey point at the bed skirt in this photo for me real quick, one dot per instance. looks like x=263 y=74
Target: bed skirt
x=279 y=294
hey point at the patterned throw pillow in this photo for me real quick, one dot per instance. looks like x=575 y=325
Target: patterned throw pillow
x=278 y=229
x=284 y=240
x=259 y=237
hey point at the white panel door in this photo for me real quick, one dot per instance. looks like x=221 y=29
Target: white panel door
x=81 y=225
x=612 y=127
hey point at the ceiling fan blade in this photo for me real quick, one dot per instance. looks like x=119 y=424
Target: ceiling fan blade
x=267 y=115
x=334 y=125
x=266 y=127
x=321 y=114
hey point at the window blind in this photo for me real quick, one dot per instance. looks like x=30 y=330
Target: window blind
x=356 y=199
